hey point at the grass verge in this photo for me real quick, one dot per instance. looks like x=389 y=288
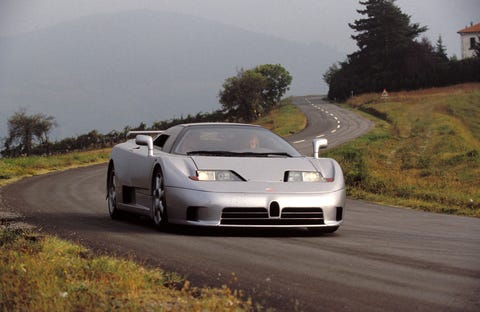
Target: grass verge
x=43 y=273
x=12 y=169
x=424 y=152
x=284 y=120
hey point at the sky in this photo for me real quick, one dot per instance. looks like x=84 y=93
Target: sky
x=305 y=21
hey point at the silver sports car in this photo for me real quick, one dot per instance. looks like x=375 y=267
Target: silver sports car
x=224 y=174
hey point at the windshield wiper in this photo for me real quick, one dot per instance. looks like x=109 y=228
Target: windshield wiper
x=212 y=153
x=267 y=154
x=237 y=154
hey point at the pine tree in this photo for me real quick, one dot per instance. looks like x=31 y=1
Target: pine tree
x=388 y=55
x=383 y=35
x=440 y=49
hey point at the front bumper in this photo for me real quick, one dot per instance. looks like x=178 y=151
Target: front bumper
x=269 y=209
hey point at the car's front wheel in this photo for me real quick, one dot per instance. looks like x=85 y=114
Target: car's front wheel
x=159 y=207
x=112 y=193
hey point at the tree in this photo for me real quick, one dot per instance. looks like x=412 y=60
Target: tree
x=440 y=49
x=383 y=33
x=278 y=81
x=385 y=38
x=253 y=92
x=330 y=73
x=241 y=96
x=26 y=130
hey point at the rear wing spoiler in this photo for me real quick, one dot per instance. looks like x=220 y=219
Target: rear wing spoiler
x=147 y=132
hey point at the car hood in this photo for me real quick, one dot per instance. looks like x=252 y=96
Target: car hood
x=261 y=169
x=261 y=174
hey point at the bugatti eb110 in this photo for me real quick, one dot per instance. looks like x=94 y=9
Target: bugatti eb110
x=227 y=175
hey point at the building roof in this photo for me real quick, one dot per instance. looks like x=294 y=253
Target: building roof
x=470 y=29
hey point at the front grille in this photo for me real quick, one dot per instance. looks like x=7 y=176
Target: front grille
x=244 y=213
x=302 y=213
x=260 y=216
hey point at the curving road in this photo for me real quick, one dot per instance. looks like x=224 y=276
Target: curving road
x=382 y=258
x=325 y=120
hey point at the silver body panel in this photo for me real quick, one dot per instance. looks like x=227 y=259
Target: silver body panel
x=261 y=199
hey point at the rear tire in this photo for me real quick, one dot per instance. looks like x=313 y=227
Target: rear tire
x=159 y=206
x=112 y=194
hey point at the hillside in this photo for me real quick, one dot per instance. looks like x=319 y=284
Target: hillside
x=106 y=72
x=424 y=152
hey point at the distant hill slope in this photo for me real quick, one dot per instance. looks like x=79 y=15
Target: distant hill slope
x=105 y=72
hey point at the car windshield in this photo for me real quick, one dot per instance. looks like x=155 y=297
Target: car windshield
x=238 y=141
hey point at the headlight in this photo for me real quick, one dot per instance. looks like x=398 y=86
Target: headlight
x=216 y=175
x=305 y=176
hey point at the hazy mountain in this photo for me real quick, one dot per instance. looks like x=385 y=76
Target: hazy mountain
x=107 y=71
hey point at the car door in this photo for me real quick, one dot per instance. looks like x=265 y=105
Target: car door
x=139 y=167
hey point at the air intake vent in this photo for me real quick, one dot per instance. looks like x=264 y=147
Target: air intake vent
x=244 y=213
x=339 y=213
x=257 y=216
x=302 y=213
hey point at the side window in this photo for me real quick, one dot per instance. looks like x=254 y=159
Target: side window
x=160 y=141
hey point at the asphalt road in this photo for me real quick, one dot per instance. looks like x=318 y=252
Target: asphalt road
x=382 y=258
x=325 y=120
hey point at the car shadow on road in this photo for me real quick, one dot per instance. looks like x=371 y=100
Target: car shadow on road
x=71 y=222
x=214 y=231
x=244 y=232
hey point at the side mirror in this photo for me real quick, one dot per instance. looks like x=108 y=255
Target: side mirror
x=319 y=144
x=145 y=140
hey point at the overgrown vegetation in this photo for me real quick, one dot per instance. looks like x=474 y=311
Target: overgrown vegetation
x=43 y=273
x=423 y=153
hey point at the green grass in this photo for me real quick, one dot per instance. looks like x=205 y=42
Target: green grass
x=284 y=120
x=424 y=152
x=12 y=169
x=43 y=273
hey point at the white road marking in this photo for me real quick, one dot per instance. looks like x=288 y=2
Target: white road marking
x=300 y=141
x=326 y=112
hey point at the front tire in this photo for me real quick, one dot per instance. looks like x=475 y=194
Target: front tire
x=112 y=194
x=159 y=207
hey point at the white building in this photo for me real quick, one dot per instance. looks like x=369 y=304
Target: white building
x=469 y=36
